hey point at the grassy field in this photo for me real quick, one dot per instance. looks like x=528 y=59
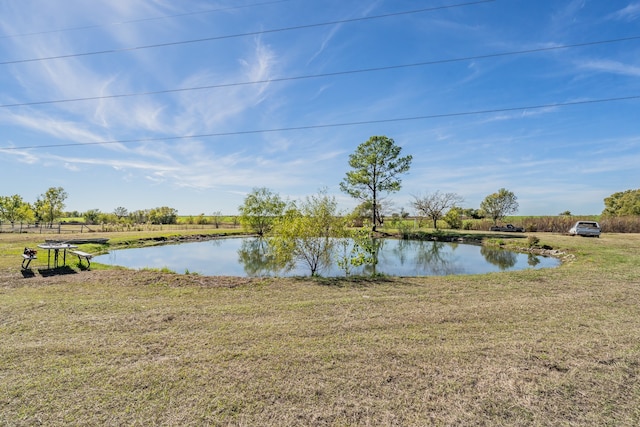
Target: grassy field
x=115 y=347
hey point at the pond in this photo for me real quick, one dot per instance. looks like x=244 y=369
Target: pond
x=246 y=257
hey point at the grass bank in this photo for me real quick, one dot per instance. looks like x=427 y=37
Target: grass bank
x=116 y=347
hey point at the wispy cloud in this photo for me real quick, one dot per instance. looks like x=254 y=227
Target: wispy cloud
x=629 y=13
x=567 y=12
x=335 y=29
x=216 y=109
x=475 y=154
x=22 y=156
x=70 y=131
x=518 y=115
x=610 y=66
x=324 y=43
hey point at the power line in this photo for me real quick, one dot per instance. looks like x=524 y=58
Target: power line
x=331 y=74
x=331 y=125
x=133 y=21
x=253 y=33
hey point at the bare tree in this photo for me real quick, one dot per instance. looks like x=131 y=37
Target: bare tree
x=217 y=218
x=435 y=205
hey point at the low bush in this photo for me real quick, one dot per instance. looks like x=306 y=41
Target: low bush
x=533 y=241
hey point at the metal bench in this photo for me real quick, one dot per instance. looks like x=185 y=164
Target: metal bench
x=27 y=259
x=84 y=255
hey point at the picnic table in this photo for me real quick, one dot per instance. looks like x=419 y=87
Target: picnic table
x=56 y=248
x=82 y=255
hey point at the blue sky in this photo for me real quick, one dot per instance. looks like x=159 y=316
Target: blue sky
x=258 y=69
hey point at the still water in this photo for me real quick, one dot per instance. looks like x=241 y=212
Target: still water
x=246 y=257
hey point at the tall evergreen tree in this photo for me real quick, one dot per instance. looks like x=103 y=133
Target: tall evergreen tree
x=376 y=166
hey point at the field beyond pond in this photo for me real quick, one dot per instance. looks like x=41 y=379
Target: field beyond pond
x=115 y=347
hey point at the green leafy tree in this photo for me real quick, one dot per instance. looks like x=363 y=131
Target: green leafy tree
x=434 y=206
x=163 y=215
x=260 y=210
x=107 y=218
x=14 y=209
x=202 y=220
x=358 y=249
x=51 y=204
x=622 y=203
x=498 y=205
x=360 y=214
x=92 y=216
x=305 y=234
x=140 y=216
x=376 y=169
x=120 y=212
x=472 y=213
x=454 y=218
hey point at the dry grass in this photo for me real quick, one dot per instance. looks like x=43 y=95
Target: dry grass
x=537 y=347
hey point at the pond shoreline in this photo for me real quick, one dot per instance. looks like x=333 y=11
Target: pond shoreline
x=415 y=256
x=485 y=240
x=472 y=239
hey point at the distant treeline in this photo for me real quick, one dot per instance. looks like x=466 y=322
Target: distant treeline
x=541 y=224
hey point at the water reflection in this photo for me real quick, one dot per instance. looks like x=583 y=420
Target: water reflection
x=499 y=257
x=251 y=257
x=255 y=258
x=371 y=269
x=428 y=258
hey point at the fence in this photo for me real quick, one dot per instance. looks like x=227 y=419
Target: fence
x=75 y=228
x=43 y=228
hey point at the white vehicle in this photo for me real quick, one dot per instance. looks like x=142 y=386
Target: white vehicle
x=585 y=228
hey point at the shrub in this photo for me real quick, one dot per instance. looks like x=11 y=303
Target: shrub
x=453 y=218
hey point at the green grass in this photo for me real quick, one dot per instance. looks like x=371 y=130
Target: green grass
x=534 y=347
x=71 y=219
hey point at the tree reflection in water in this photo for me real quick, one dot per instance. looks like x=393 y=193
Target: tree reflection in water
x=430 y=258
x=255 y=257
x=533 y=260
x=499 y=257
x=252 y=257
x=371 y=269
x=395 y=257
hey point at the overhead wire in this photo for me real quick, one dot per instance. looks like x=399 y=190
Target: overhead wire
x=331 y=125
x=305 y=127
x=251 y=33
x=134 y=21
x=329 y=74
